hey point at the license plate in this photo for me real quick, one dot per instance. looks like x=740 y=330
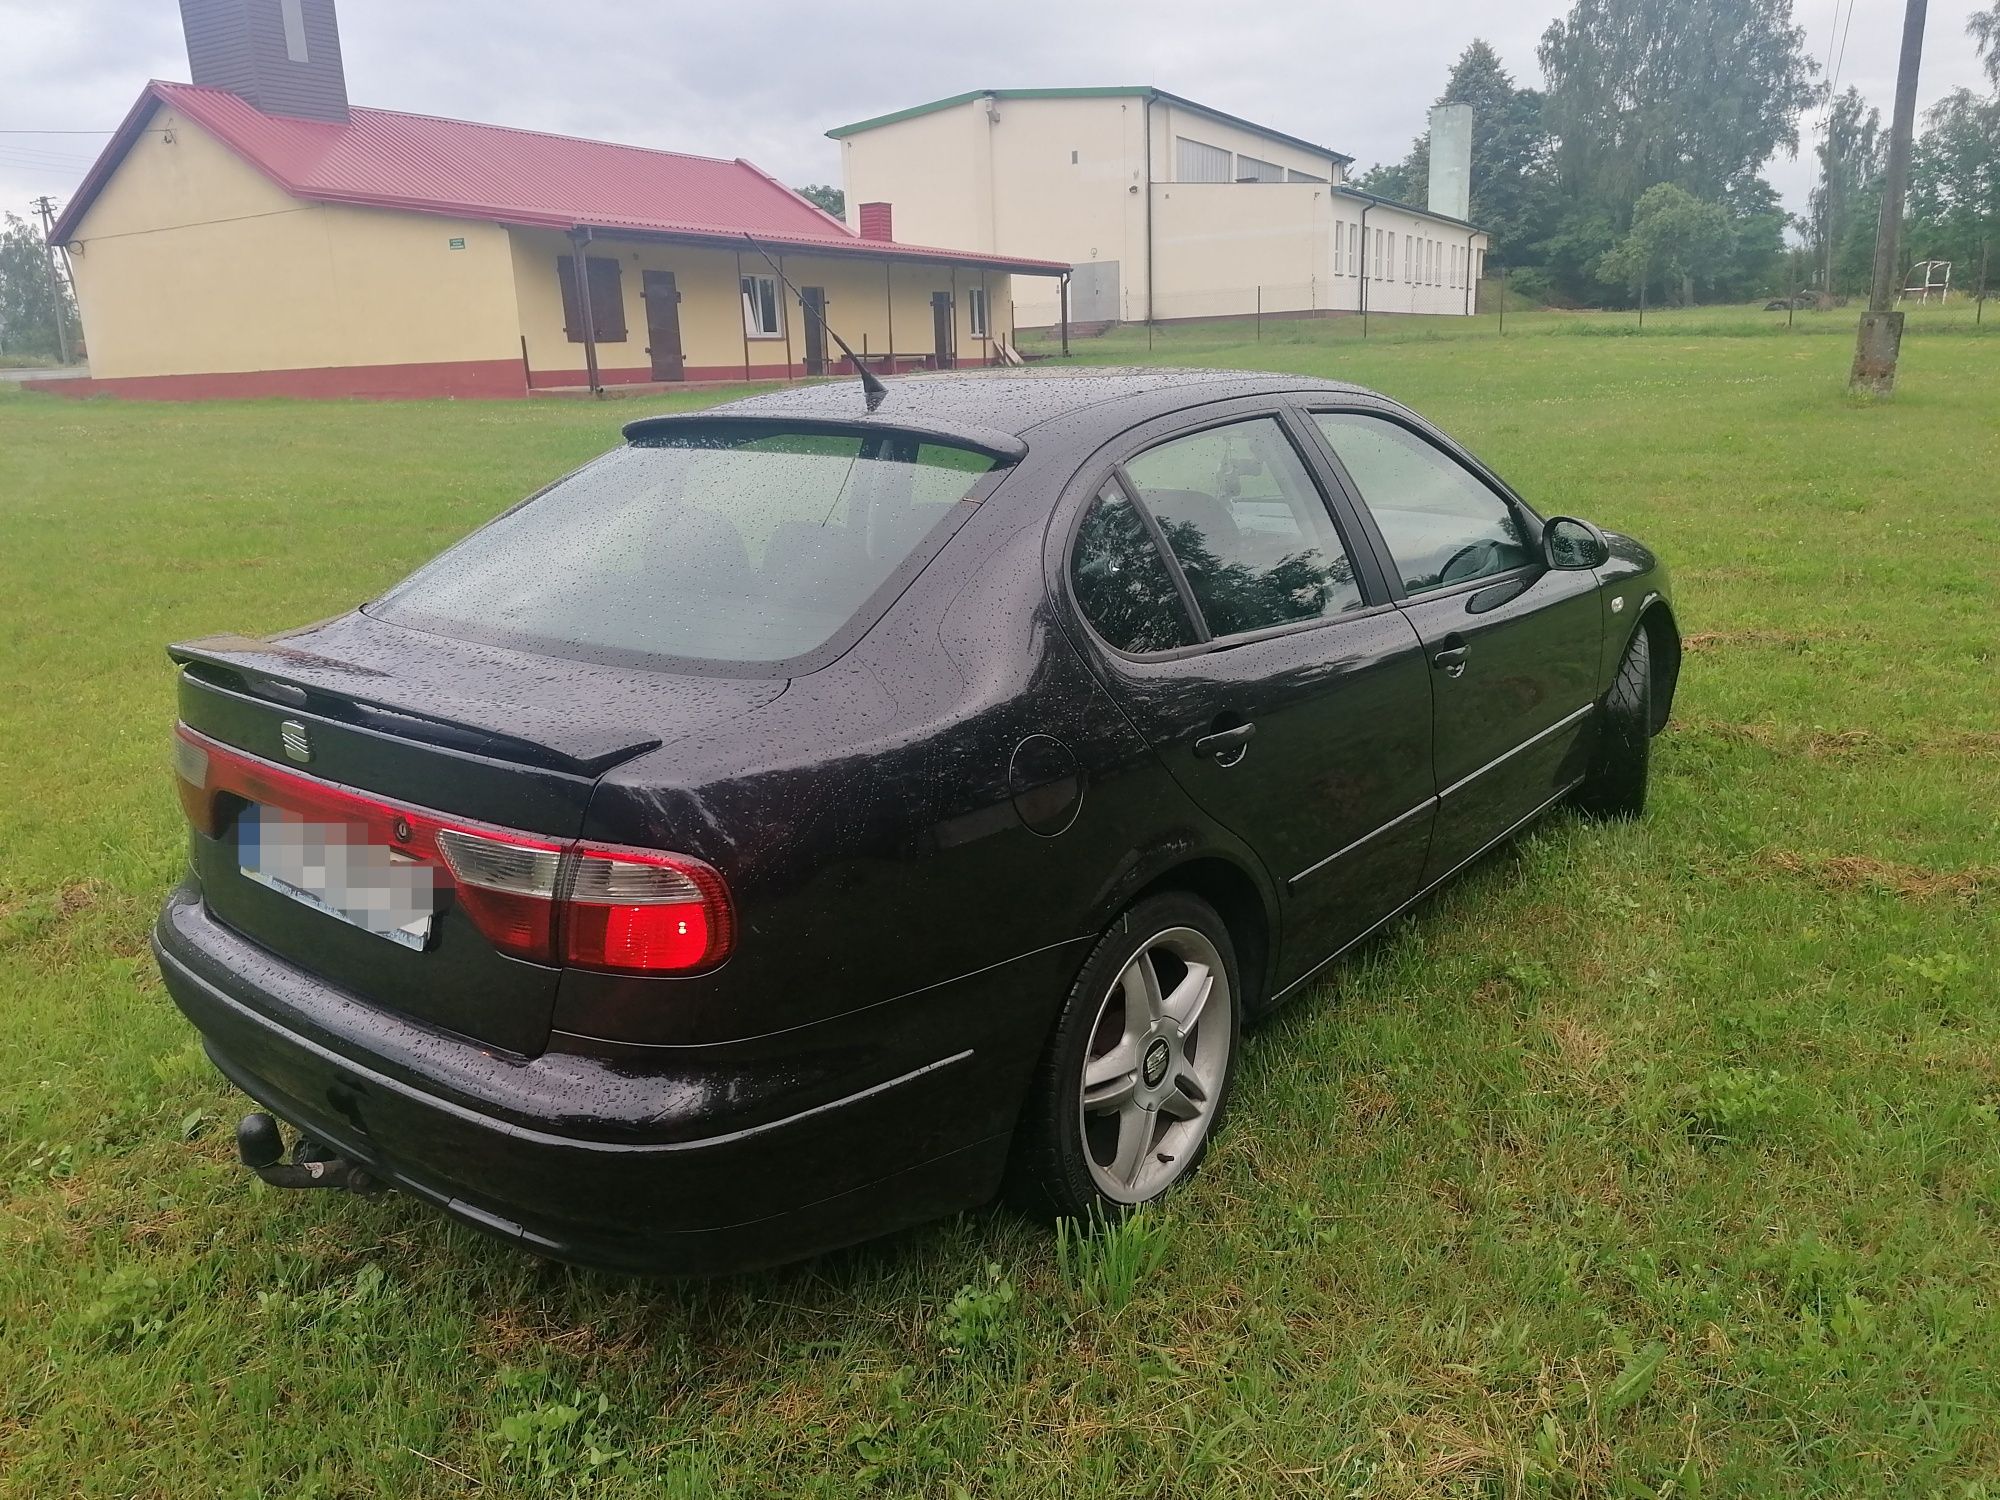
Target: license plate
x=335 y=869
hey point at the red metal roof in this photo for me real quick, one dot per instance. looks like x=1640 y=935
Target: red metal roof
x=384 y=158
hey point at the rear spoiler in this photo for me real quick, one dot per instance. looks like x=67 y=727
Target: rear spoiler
x=1003 y=447
x=332 y=689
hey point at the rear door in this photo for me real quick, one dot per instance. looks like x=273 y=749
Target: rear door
x=1513 y=645
x=1280 y=687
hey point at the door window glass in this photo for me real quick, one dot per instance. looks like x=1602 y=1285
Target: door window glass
x=1443 y=525
x=1122 y=582
x=1248 y=527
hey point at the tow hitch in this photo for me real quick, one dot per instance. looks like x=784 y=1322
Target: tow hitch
x=261 y=1145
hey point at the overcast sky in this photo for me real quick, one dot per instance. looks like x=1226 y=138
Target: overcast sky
x=765 y=80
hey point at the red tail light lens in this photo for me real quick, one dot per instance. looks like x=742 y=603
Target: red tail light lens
x=596 y=906
x=636 y=910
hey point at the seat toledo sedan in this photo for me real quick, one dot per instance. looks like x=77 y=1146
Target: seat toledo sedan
x=810 y=819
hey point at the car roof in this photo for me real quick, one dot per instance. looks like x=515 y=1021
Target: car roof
x=983 y=406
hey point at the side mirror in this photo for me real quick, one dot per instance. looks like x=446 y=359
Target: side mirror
x=1573 y=546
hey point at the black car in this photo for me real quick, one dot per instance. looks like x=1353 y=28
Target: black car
x=808 y=819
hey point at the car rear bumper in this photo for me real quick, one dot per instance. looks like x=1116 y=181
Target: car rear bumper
x=592 y=1160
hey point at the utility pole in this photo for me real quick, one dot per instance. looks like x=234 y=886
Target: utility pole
x=1880 y=335
x=47 y=211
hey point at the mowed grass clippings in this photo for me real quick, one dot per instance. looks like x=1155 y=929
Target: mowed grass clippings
x=1651 y=1159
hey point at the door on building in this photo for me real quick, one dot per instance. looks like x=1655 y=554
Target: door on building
x=812 y=300
x=663 y=325
x=943 y=348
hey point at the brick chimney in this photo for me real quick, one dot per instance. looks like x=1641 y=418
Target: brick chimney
x=282 y=56
x=875 y=222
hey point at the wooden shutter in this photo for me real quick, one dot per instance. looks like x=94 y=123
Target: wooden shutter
x=607 y=299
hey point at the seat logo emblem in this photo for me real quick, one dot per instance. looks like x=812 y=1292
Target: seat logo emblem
x=297 y=745
x=1155 y=1068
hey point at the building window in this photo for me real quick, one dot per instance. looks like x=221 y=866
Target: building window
x=1339 y=244
x=1295 y=175
x=295 y=30
x=763 y=316
x=1409 y=244
x=1355 y=248
x=1479 y=266
x=1378 y=255
x=1392 y=255
x=1197 y=161
x=975 y=311
x=1250 y=169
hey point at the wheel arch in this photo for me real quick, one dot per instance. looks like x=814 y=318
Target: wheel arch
x=1663 y=642
x=1245 y=912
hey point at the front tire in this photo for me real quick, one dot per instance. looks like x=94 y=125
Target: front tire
x=1133 y=1081
x=1615 y=786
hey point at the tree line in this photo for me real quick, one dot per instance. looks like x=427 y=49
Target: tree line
x=1636 y=170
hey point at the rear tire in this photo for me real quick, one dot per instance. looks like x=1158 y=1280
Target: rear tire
x=1134 y=1079
x=1615 y=786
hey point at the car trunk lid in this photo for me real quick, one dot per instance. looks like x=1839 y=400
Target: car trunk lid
x=385 y=732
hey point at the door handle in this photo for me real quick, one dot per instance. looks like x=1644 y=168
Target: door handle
x=1226 y=746
x=1451 y=659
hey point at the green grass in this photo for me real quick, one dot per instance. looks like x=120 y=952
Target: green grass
x=1654 y=1159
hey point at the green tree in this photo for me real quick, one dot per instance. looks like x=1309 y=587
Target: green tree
x=1513 y=189
x=1954 y=206
x=832 y=199
x=1850 y=166
x=1675 y=238
x=27 y=306
x=1698 y=93
x=1984 y=29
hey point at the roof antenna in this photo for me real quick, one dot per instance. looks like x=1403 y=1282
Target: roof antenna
x=871 y=386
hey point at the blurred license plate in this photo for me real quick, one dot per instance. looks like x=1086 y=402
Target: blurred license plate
x=333 y=868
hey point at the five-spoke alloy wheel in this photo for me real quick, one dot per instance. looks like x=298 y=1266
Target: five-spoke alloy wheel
x=1135 y=1076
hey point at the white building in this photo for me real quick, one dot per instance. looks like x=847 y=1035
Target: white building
x=1166 y=208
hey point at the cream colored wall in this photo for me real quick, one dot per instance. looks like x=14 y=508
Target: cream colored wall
x=925 y=167
x=1217 y=244
x=1414 y=293
x=1220 y=249
x=858 y=307
x=192 y=262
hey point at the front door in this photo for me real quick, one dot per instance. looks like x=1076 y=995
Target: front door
x=1291 y=704
x=943 y=355
x=1513 y=645
x=813 y=300
x=663 y=325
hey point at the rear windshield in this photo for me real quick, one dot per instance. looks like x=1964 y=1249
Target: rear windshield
x=711 y=544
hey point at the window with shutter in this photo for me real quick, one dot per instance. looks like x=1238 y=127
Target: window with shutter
x=607 y=299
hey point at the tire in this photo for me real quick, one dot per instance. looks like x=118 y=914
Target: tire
x=1615 y=786
x=1127 y=1045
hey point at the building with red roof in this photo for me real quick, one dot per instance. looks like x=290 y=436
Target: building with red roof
x=253 y=234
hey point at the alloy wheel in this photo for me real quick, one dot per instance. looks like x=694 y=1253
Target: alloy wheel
x=1156 y=1064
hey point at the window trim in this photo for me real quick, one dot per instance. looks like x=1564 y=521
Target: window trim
x=975 y=312
x=777 y=304
x=1107 y=466
x=1392 y=573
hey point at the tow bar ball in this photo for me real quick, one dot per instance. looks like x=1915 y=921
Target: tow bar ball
x=261 y=1145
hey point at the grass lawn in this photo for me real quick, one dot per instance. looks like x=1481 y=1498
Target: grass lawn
x=1656 y=1159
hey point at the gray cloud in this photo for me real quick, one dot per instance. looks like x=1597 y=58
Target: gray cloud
x=765 y=80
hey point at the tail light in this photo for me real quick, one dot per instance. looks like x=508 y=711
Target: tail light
x=593 y=906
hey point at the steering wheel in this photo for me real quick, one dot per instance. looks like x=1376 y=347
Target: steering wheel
x=1481 y=555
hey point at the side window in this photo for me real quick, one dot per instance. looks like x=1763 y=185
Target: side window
x=1443 y=525
x=1122 y=582
x=1248 y=527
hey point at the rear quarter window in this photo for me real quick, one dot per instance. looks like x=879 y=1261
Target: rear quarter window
x=711 y=545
